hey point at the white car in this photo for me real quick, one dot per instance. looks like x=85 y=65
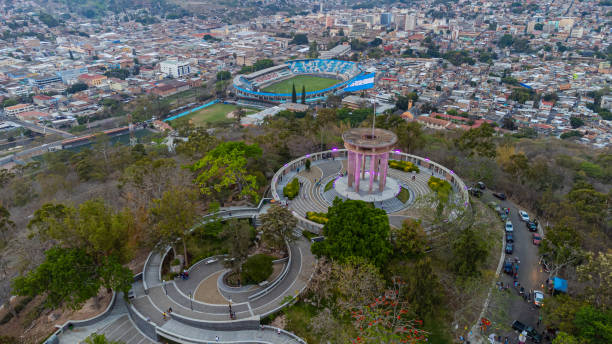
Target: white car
x=509 y=227
x=524 y=215
x=538 y=298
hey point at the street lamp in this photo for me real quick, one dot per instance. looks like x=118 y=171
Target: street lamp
x=190 y=300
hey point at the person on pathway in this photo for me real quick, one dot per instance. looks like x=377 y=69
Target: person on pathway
x=217 y=339
x=164 y=315
x=278 y=331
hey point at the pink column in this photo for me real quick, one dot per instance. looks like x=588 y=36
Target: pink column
x=358 y=158
x=351 y=167
x=372 y=172
x=384 y=166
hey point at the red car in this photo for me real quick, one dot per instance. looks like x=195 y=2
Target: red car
x=537 y=239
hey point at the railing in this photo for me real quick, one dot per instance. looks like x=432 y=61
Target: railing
x=283 y=274
x=306 y=224
x=146 y=326
x=53 y=339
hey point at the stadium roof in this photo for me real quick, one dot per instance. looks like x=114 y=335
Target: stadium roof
x=265 y=71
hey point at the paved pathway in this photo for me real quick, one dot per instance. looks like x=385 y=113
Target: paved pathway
x=193 y=321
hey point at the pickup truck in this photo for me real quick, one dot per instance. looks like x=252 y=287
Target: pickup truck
x=531 y=332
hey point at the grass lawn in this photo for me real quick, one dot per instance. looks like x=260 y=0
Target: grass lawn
x=312 y=83
x=214 y=114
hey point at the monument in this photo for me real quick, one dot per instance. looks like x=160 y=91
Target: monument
x=368 y=157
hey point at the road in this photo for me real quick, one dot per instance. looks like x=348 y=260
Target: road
x=530 y=275
x=40 y=129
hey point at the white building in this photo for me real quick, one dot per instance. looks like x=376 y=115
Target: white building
x=411 y=22
x=175 y=68
x=338 y=50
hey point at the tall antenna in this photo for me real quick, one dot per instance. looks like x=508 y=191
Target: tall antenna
x=374 y=119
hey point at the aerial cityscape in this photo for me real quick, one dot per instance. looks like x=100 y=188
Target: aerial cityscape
x=345 y=171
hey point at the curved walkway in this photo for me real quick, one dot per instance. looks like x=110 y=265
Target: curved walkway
x=142 y=321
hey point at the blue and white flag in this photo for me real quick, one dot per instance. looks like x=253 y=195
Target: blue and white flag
x=362 y=82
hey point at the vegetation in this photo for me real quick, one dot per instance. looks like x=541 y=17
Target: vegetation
x=278 y=227
x=317 y=217
x=256 y=269
x=405 y=166
x=292 y=189
x=440 y=187
x=403 y=195
x=355 y=229
x=257 y=66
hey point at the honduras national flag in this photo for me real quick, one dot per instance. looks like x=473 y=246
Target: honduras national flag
x=362 y=82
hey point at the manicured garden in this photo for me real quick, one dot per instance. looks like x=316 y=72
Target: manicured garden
x=405 y=166
x=440 y=186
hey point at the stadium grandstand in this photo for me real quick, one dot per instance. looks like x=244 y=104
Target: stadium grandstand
x=336 y=73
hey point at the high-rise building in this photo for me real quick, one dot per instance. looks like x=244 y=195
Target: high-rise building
x=411 y=22
x=175 y=68
x=385 y=19
x=400 y=22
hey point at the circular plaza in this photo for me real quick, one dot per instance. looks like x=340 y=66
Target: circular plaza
x=369 y=169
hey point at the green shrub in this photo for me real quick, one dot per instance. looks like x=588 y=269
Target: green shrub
x=317 y=217
x=256 y=269
x=174 y=262
x=405 y=166
x=441 y=187
x=329 y=185
x=292 y=189
x=403 y=195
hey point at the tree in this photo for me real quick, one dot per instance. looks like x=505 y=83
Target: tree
x=508 y=123
x=278 y=226
x=478 y=141
x=388 y=319
x=224 y=75
x=6 y=224
x=303 y=94
x=561 y=247
x=469 y=251
x=78 y=87
x=595 y=272
x=293 y=94
x=100 y=339
x=506 y=41
x=355 y=282
x=226 y=166
x=576 y=122
x=355 y=229
x=410 y=240
x=173 y=215
x=313 y=51
x=299 y=39
x=67 y=276
x=238 y=237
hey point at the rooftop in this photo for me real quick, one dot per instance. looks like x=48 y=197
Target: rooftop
x=369 y=138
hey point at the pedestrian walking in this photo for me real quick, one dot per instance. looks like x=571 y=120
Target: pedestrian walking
x=164 y=315
x=217 y=339
x=539 y=319
x=278 y=331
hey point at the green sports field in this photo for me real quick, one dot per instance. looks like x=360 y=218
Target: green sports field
x=215 y=114
x=312 y=83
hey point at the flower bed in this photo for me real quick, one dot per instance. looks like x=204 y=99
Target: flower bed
x=440 y=186
x=317 y=217
x=405 y=166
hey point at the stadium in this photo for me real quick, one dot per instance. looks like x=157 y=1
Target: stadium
x=320 y=77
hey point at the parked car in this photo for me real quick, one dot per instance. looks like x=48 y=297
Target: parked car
x=531 y=226
x=509 y=237
x=509 y=248
x=499 y=195
x=481 y=185
x=524 y=216
x=475 y=192
x=509 y=227
x=531 y=332
x=537 y=239
x=508 y=266
x=538 y=298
